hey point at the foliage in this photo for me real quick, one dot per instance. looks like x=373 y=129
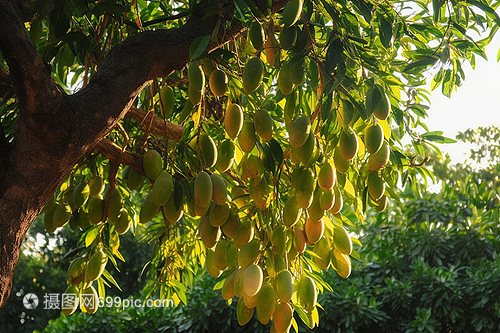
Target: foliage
x=429 y=265
x=356 y=63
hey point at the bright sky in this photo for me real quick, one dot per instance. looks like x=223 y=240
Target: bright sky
x=476 y=103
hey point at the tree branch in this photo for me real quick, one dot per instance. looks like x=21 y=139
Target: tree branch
x=116 y=154
x=36 y=90
x=155 y=124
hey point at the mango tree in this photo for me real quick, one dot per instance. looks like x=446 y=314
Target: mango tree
x=231 y=134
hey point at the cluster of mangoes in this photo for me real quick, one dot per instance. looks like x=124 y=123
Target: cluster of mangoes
x=83 y=205
x=81 y=273
x=259 y=259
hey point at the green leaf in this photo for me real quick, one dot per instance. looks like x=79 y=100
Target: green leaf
x=111 y=279
x=424 y=62
x=245 y=14
x=91 y=236
x=198 y=47
x=333 y=55
x=436 y=9
x=385 y=32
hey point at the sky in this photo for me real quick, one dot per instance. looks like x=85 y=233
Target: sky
x=475 y=103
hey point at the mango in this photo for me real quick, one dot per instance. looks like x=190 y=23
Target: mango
x=342 y=263
x=220 y=254
x=305 y=153
x=376 y=185
x=383 y=110
x=290 y=112
x=247 y=138
x=341 y=164
x=374 y=138
x=252 y=167
x=96 y=265
x=284 y=286
x=299 y=132
x=152 y=163
x=261 y=192
x=263 y=124
x=288 y=37
x=233 y=121
x=253 y=73
x=82 y=192
x=297 y=72
x=219 y=193
x=174 y=208
x=292 y=11
x=208 y=151
x=252 y=280
x=304 y=188
x=299 y=240
x=167 y=98
x=327 y=175
x=265 y=303
x=256 y=35
x=134 y=179
x=71 y=299
x=210 y=264
x=196 y=77
x=307 y=293
x=226 y=153
x=291 y=212
x=207 y=66
x=338 y=203
x=327 y=199
x=348 y=144
x=243 y=313
x=96 y=210
x=62 y=214
x=285 y=83
x=89 y=293
x=341 y=240
x=314 y=230
x=218 y=82
x=379 y=159
x=114 y=206
x=228 y=286
x=229 y=228
x=83 y=220
x=231 y=255
x=282 y=318
x=381 y=204
x=239 y=290
x=315 y=211
x=123 y=223
x=148 y=210
x=76 y=271
x=218 y=214
x=322 y=249
x=203 y=189
x=194 y=95
x=249 y=253
x=209 y=234
x=244 y=233
x=250 y=301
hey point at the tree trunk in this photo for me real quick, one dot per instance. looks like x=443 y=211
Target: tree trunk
x=54 y=130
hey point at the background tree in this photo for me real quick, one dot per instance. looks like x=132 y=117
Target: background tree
x=328 y=103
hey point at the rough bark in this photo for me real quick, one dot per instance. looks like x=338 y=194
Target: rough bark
x=54 y=130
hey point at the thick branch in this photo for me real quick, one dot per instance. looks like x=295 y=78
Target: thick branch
x=156 y=125
x=115 y=153
x=36 y=90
